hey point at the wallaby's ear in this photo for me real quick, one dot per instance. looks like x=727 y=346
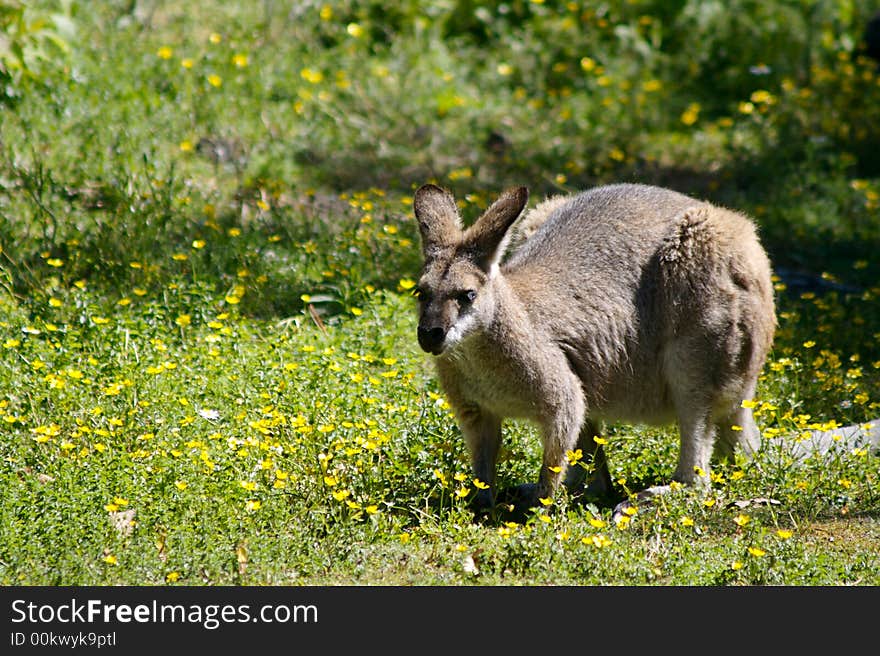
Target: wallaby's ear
x=437 y=214
x=488 y=236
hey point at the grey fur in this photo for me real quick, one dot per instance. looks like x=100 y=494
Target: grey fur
x=624 y=303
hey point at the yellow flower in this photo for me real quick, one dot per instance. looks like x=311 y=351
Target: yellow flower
x=110 y=559
x=741 y=520
x=164 y=52
x=172 y=577
x=691 y=114
x=596 y=540
x=183 y=320
x=240 y=60
x=757 y=552
x=761 y=96
x=186 y=146
x=354 y=30
x=687 y=521
x=311 y=75
x=215 y=80
x=480 y=484
x=783 y=534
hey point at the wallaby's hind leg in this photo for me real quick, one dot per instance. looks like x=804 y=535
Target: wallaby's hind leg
x=696 y=442
x=738 y=429
x=482 y=434
x=591 y=475
x=697 y=438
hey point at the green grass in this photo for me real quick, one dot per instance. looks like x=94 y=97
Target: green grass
x=208 y=370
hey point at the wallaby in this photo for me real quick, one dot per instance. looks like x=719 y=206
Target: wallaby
x=626 y=302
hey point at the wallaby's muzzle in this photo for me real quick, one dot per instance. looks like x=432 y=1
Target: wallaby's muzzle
x=431 y=339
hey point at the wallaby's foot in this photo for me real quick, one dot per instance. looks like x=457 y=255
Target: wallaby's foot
x=596 y=492
x=523 y=496
x=515 y=503
x=483 y=504
x=627 y=507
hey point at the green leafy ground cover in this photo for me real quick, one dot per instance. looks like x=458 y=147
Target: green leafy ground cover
x=208 y=371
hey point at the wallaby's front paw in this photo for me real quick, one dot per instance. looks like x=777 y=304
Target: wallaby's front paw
x=483 y=502
x=515 y=503
x=519 y=499
x=523 y=496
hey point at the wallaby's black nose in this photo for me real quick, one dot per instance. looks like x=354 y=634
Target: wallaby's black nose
x=431 y=339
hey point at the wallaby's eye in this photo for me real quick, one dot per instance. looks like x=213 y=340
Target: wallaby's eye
x=422 y=294
x=467 y=297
